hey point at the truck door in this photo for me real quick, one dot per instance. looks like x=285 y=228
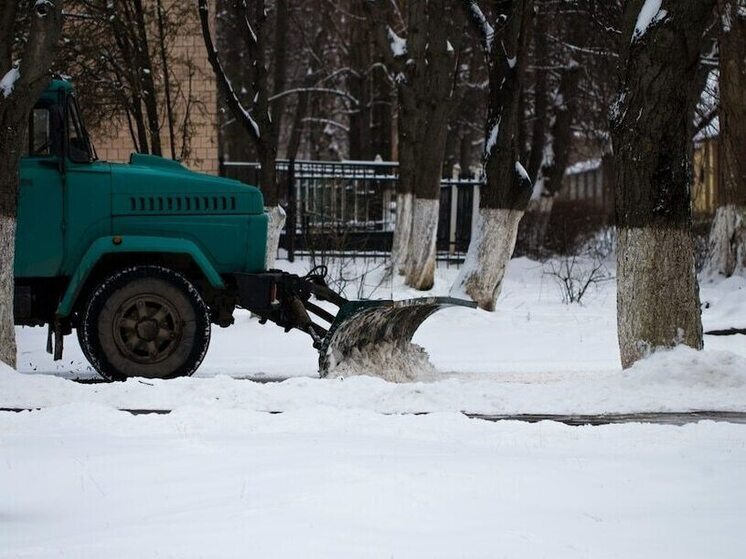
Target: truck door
x=39 y=234
x=87 y=191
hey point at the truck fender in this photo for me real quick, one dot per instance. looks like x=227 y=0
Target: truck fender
x=128 y=244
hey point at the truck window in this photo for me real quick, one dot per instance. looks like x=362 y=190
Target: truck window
x=40 y=133
x=77 y=142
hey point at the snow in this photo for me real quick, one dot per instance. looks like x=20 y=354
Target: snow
x=9 y=81
x=521 y=171
x=583 y=166
x=650 y=14
x=488 y=32
x=348 y=471
x=397 y=44
x=387 y=361
x=492 y=138
x=88 y=481
x=727 y=307
x=672 y=381
x=533 y=354
x=512 y=60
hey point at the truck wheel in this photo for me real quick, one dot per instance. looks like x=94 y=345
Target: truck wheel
x=145 y=321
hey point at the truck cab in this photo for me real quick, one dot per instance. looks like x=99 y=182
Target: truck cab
x=157 y=241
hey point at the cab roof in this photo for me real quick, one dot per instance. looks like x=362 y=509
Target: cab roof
x=55 y=87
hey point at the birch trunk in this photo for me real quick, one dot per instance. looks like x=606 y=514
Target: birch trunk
x=657 y=290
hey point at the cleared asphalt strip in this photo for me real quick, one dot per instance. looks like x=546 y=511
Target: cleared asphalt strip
x=664 y=418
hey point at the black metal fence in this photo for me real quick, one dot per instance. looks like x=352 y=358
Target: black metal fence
x=350 y=207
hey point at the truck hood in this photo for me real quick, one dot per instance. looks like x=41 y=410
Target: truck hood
x=154 y=185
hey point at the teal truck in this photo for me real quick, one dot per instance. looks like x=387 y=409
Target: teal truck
x=141 y=259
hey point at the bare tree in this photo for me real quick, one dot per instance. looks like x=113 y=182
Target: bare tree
x=556 y=152
x=504 y=197
x=657 y=290
x=261 y=120
x=21 y=85
x=727 y=254
x=122 y=56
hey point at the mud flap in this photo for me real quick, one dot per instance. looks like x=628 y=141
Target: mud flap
x=369 y=323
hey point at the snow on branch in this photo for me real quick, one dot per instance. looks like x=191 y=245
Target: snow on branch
x=478 y=19
x=492 y=138
x=212 y=55
x=650 y=14
x=252 y=35
x=397 y=44
x=42 y=7
x=327 y=90
x=9 y=81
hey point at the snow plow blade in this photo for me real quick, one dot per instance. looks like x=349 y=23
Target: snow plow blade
x=358 y=327
x=360 y=324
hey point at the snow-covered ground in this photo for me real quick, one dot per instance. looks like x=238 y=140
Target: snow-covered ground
x=534 y=354
x=342 y=474
x=88 y=481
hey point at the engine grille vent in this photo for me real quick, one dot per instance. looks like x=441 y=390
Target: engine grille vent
x=182 y=204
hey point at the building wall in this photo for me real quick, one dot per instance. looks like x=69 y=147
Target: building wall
x=113 y=140
x=584 y=181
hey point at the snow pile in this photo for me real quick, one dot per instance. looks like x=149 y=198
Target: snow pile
x=684 y=368
x=6 y=370
x=726 y=309
x=679 y=380
x=388 y=361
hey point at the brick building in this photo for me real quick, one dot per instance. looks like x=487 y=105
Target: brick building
x=197 y=90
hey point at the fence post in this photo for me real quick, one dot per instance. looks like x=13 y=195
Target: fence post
x=291 y=218
x=454 y=210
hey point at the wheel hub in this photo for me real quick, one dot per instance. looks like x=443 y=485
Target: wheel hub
x=147 y=328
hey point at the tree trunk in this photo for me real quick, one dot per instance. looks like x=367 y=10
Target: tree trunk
x=407 y=130
x=358 y=83
x=538 y=129
x=503 y=199
x=150 y=98
x=268 y=176
x=15 y=105
x=166 y=78
x=727 y=254
x=420 y=263
x=657 y=290
x=9 y=157
x=557 y=155
x=280 y=64
x=432 y=83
